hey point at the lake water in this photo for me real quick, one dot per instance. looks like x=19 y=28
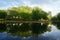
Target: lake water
x=53 y=35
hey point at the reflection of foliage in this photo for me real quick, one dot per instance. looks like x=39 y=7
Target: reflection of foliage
x=2 y=27
x=58 y=25
x=26 y=30
x=44 y=27
x=37 y=28
x=21 y=34
x=13 y=29
x=20 y=30
x=24 y=27
x=56 y=20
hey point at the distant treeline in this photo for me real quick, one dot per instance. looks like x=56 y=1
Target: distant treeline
x=27 y=13
x=24 y=13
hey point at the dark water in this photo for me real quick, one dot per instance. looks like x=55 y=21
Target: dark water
x=53 y=35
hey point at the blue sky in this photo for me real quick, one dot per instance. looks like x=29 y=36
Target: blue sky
x=47 y=5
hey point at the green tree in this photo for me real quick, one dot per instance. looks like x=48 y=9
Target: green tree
x=3 y=14
x=38 y=13
x=24 y=12
x=56 y=20
x=35 y=14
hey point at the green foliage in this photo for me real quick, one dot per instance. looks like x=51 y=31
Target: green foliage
x=2 y=27
x=3 y=14
x=38 y=13
x=58 y=16
x=14 y=29
x=35 y=14
x=56 y=20
x=37 y=28
x=24 y=27
x=24 y=13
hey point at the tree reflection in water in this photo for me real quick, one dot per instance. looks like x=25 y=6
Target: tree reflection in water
x=37 y=28
x=26 y=29
x=2 y=27
x=56 y=23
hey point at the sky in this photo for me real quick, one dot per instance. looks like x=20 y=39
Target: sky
x=46 y=5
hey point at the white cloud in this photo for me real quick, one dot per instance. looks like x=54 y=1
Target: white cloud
x=45 y=7
x=26 y=3
x=53 y=6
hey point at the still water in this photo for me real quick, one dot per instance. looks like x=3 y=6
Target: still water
x=54 y=34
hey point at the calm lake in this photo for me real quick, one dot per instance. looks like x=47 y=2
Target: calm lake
x=54 y=34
